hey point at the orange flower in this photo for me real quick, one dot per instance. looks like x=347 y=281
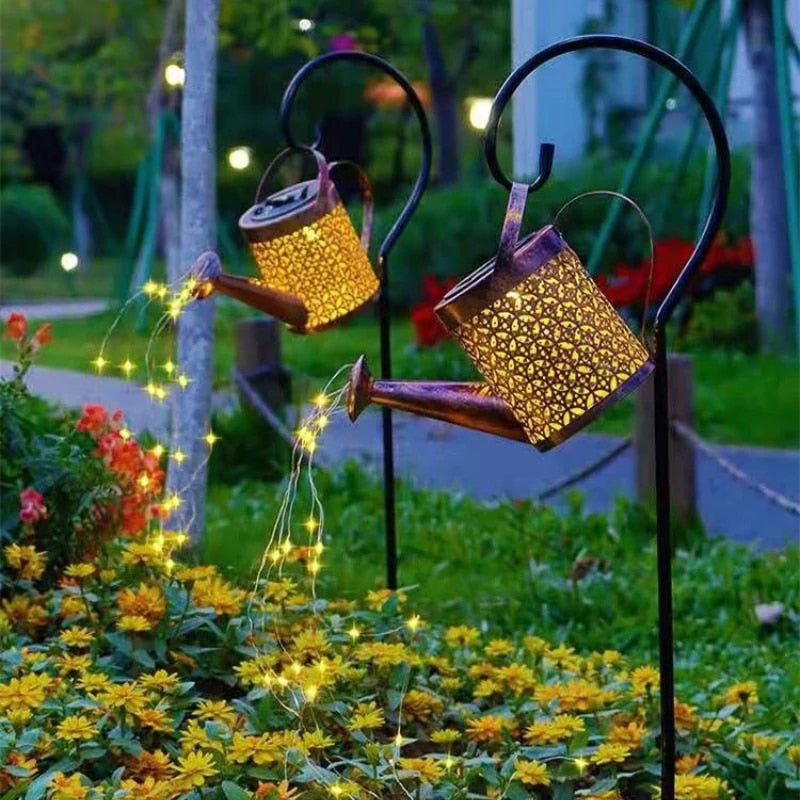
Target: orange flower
x=16 y=326
x=42 y=336
x=94 y=419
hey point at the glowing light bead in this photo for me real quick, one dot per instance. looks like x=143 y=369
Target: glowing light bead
x=321 y=400
x=322 y=422
x=211 y=438
x=144 y=481
x=161 y=394
x=581 y=764
x=125 y=434
x=99 y=363
x=174 y=308
x=190 y=285
x=173 y=502
x=399 y=740
x=161 y=291
x=127 y=366
x=150 y=288
x=180 y=538
x=150 y=388
x=304 y=434
x=157 y=450
x=286 y=547
x=158 y=543
x=182 y=381
x=295 y=667
x=168 y=367
x=354 y=632
x=267 y=681
x=311 y=447
x=414 y=622
x=169 y=565
x=314 y=566
x=311 y=691
x=311 y=524
x=336 y=790
x=275 y=556
x=318 y=548
x=179 y=457
x=283 y=681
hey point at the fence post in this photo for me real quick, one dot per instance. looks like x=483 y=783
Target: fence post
x=258 y=359
x=683 y=492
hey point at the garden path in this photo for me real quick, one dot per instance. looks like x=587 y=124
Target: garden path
x=437 y=455
x=56 y=309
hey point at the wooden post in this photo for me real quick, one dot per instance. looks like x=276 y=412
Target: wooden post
x=683 y=491
x=258 y=357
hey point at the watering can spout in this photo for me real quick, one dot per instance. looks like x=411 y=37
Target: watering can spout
x=470 y=405
x=207 y=272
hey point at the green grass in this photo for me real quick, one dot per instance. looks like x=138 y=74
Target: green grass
x=589 y=580
x=96 y=280
x=739 y=399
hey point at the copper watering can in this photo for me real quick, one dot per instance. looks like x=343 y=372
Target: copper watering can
x=314 y=268
x=552 y=350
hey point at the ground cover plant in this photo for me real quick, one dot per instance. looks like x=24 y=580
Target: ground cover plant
x=130 y=670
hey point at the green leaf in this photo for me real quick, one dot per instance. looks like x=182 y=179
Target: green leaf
x=233 y=791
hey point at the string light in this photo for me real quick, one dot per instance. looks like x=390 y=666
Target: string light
x=161 y=291
x=144 y=480
x=211 y=438
x=150 y=288
x=581 y=764
x=311 y=691
x=414 y=622
x=311 y=524
x=179 y=457
x=125 y=434
x=127 y=366
x=313 y=566
x=157 y=450
x=150 y=388
x=354 y=632
x=399 y=740
x=99 y=363
x=321 y=400
x=161 y=394
x=182 y=381
x=168 y=367
x=322 y=422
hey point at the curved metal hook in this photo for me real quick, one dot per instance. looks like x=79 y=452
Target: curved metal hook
x=688 y=79
x=413 y=98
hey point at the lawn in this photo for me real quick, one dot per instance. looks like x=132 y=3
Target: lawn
x=588 y=580
x=96 y=280
x=739 y=399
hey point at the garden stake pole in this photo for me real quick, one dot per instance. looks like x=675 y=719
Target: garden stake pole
x=663 y=314
x=384 y=306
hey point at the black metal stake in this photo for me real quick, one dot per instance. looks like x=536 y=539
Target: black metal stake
x=665 y=310
x=384 y=306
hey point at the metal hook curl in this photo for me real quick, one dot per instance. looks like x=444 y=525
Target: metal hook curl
x=688 y=79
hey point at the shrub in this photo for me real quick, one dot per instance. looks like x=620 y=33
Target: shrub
x=455 y=230
x=32 y=227
x=725 y=320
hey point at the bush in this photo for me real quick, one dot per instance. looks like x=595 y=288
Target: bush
x=455 y=230
x=32 y=227
x=726 y=320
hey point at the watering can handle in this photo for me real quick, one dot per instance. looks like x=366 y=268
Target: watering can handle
x=323 y=175
x=366 y=194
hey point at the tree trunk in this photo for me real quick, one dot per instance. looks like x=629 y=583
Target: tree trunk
x=445 y=106
x=81 y=222
x=192 y=406
x=768 y=213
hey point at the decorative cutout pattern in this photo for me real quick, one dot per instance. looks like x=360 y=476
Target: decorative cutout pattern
x=552 y=347
x=322 y=264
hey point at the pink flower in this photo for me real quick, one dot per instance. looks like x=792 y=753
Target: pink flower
x=16 y=326
x=94 y=420
x=342 y=41
x=32 y=507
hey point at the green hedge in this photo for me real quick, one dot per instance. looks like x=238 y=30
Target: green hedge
x=454 y=230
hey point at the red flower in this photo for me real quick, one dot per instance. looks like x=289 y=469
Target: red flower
x=428 y=330
x=32 y=507
x=42 y=336
x=134 y=518
x=94 y=420
x=16 y=326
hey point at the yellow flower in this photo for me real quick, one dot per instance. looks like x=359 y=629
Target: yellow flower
x=93 y=682
x=76 y=637
x=316 y=740
x=194 y=735
x=489 y=728
x=25 y=612
x=29 y=691
x=74 y=663
x=575 y=695
x=563 y=658
x=386 y=654
x=535 y=645
x=123 y=695
x=195 y=767
x=216 y=710
x=63 y=787
x=281 y=791
x=156 y=765
x=147 y=601
x=214 y=592
x=518 y=678
x=531 y=773
x=793 y=754
x=558 y=729
x=366 y=716
x=82 y=570
x=629 y=733
x=428 y=770
x=684 y=716
x=644 y=681
x=156 y=719
x=18 y=716
x=609 y=753
x=700 y=787
x=486 y=688
x=461 y=636
x=445 y=736
x=744 y=694
x=76 y=729
x=161 y=680
x=72 y=605
x=499 y=647
x=133 y=623
x=149 y=788
x=377 y=599
x=687 y=763
x=27 y=560
x=421 y=705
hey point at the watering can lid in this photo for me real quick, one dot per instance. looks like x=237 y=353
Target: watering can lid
x=281 y=205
